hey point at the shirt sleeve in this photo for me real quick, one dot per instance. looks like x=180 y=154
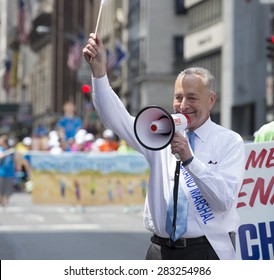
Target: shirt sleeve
x=113 y=113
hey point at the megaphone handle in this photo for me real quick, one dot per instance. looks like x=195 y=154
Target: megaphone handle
x=177 y=156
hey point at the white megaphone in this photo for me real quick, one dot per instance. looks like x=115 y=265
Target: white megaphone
x=154 y=127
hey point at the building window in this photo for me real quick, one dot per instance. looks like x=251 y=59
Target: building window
x=134 y=61
x=179 y=46
x=243 y=120
x=204 y=14
x=133 y=12
x=180 y=7
x=178 y=53
x=212 y=62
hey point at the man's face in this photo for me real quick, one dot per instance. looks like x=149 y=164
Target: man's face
x=191 y=97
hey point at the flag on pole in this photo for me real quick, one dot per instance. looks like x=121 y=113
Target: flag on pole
x=111 y=59
x=75 y=55
x=22 y=34
x=114 y=59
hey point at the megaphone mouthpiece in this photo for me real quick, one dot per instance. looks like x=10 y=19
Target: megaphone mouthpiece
x=161 y=126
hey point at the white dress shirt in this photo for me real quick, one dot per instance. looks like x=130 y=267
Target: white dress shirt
x=217 y=167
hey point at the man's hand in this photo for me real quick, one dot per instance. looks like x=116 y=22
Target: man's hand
x=179 y=145
x=95 y=54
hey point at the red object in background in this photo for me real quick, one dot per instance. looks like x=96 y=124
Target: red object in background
x=85 y=88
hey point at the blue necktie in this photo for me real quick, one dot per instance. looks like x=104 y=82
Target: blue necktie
x=176 y=221
x=191 y=138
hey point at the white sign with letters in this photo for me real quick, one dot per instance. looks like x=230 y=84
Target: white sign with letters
x=255 y=238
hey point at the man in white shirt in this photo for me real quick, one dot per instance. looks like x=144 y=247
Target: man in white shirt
x=210 y=173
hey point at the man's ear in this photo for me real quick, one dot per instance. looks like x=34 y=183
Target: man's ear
x=212 y=99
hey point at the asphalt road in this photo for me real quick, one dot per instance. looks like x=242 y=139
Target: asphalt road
x=48 y=232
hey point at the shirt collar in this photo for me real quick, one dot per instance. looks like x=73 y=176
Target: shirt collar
x=203 y=131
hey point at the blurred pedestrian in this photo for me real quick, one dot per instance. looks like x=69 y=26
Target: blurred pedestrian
x=7 y=171
x=88 y=145
x=79 y=141
x=22 y=162
x=40 y=138
x=124 y=147
x=265 y=133
x=24 y=145
x=69 y=123
x=110 y=142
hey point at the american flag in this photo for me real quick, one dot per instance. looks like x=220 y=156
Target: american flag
x=111 y=59
x=22 y=34
x=75 y=56
x=114 y=59
x=120 y=55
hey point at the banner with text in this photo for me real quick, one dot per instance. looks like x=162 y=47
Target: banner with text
x=256 y=198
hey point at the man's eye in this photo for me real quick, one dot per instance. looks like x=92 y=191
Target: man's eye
x=192 y=98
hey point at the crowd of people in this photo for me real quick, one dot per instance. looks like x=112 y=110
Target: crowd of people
x=82 y=141
x=68 y=136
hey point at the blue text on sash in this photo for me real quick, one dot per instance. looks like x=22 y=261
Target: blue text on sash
x=200 y=202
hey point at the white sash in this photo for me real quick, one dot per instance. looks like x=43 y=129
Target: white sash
x=211 y=222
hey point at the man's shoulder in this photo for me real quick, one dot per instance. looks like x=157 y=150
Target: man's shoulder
x=223 y=132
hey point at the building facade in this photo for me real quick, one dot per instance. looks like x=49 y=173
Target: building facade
x=156 y=40
x=227 y=37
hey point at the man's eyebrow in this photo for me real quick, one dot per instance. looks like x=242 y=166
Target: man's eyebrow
x=190 y=94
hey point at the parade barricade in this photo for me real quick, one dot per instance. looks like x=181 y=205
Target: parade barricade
x=98 y=179
x=89 y=178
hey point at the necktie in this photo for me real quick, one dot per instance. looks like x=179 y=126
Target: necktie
x=176 y=220
x=191 y=139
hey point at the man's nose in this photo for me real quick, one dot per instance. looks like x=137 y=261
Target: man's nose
x=184 y=104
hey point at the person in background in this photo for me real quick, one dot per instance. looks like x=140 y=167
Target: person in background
x=124 y=147
x=110 y=143
x=88 y=144
x=22 y=160
x=79 y=140
x=265 y=133
x=40 y=138
x=24 y=145
x=69 y=123
x=97 y=144
x=7 y=171
x=205 y=163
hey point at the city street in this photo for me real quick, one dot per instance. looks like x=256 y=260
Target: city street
x=50 y=232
